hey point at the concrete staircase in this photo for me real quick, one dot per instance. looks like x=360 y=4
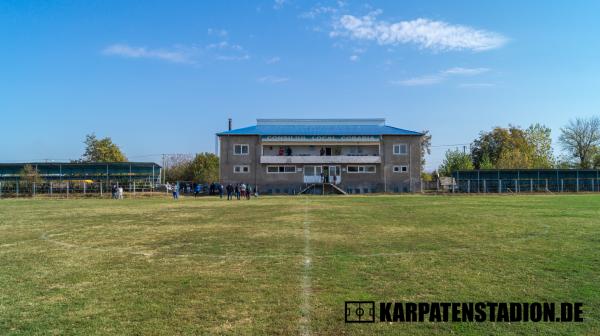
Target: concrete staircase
x=324 y=188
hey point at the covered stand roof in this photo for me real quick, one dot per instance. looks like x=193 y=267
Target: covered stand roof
x=320 y=127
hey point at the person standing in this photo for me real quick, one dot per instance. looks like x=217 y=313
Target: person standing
x=220 y=187
x=197 y=189
x=248 y=191
x=176 y=191
x=229 y=189
x=237 y=191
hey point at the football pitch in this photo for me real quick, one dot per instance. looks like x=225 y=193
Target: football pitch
x=286 y=265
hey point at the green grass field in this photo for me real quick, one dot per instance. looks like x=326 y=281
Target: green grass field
x=285 y=265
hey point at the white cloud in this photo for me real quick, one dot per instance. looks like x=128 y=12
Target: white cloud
x=124 y=50
x=188 y=54
x=354 y=58
x=226 y=51
x=427 y=34
x=476 y=85
x=218 y=32
x=242 y=57
x=273 y=60
x=272 y=79
x=419 y=81
x=224 y=45
x=465 y=71
x=318 y=10
x=278 y=4
x=440 y=76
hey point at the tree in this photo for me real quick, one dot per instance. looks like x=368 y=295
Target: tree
x=30 y=174
x=485 y=162
x=177 y=166
x=101 y=150
x=455 y=160
x=204 y=168
x=539 y=136
x=426 y=177
x=425 y=147
x=513 y=147
x=580 y=139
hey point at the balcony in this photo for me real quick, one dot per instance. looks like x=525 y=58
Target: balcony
x=311 y=159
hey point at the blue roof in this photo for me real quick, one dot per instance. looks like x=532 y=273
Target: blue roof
x=320 y=130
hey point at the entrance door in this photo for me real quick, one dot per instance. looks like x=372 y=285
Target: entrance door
x=334 y=173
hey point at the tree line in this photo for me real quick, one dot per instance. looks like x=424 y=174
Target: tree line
x=513 y=147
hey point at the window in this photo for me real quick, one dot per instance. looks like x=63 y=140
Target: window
x=312 y=170
x=241 y=149
x=400 y=169
x=281 y=169
x=400 y=149
x=309 y=171
x=241 y=169
x=369 y=169
x=361 y=169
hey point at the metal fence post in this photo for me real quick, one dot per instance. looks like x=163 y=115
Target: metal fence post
x=100 y=188
x=84 y=187
x=33 y=189
x=468 y=186
x=484 y=187
x=50 y=188
x=562 y=185
x=17 y=188
x=531 y=185
x=67 y=189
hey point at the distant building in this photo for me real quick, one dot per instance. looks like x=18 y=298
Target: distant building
x=292 y=155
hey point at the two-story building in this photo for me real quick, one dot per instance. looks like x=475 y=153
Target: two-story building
x=294 y=155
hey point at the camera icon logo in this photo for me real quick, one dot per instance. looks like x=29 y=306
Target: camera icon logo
x=359 y=311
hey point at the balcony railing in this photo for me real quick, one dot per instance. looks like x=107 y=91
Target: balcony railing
x=319 y=159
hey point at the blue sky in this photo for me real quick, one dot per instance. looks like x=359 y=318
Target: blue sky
x=164 y=76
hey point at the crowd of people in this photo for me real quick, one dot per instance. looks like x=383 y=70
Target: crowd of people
x=239 y=191
x=117 y=192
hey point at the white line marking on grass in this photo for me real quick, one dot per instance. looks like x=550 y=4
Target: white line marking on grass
x=306 y=281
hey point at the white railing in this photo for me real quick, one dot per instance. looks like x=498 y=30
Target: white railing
x=319 y=159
